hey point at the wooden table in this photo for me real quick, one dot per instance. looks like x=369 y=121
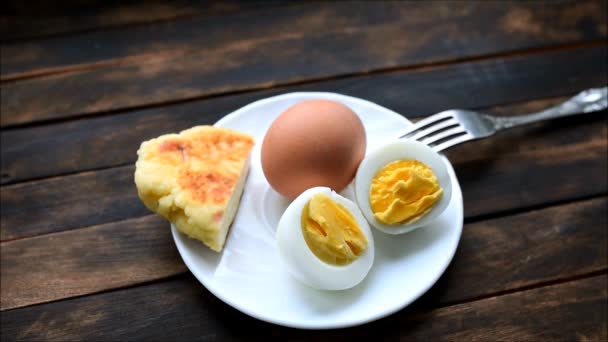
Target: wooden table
x=83 y=85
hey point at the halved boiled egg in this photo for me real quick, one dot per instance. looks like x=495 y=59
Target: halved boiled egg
x=402 y=185
x=325 y=241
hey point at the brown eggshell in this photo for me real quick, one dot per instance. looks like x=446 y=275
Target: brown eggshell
x=313 y=143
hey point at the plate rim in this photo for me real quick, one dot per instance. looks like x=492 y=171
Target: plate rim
x=456 y=196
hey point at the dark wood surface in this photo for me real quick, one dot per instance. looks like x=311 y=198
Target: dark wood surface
x=137 y=67
x=84 y=82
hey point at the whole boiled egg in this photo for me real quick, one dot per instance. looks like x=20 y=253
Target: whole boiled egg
x=324 y=240
x=313 y=143
x=402 y=185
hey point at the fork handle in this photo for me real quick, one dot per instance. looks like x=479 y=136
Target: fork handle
x=590 y=100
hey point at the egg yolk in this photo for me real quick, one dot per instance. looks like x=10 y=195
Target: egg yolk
x=331 y=232
x=403 y=191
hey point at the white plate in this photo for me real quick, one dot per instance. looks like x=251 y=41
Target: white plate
x=248 y=274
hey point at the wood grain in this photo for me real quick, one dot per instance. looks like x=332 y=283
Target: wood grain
x=107 y=141
x=181 y=307
x=545 y=163
x=515 y=169
x=41 y=19
x=19 y=21
x=520 y=250
x=82 y=259
x=87 y=260
x=65 y=203
x=511 y=22
x=301 y=45
x=495 y=255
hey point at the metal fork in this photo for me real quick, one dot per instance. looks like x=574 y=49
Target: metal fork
x=455 y=126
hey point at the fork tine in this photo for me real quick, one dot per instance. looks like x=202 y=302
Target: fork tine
x=453 y=142
x=458 y=130
x=424 y=122
x=434 y=128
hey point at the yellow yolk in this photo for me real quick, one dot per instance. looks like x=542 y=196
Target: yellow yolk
x=331 y=232
x=403 y=191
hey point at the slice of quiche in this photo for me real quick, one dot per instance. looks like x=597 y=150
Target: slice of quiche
x=195 y=179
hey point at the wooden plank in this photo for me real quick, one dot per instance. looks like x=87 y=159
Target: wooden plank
x=113 y=140
x=518 y=164
x=20 y=21
x=521 y=250
x=510 y=22
x=65 y=203
x=87 y=260
x=569 y=311
x=105 y=257
x=41 y=19
x=335 y=38
x=545 y=163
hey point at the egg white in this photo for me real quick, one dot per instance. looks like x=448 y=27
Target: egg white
x=399 y=150
x=307 y=267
